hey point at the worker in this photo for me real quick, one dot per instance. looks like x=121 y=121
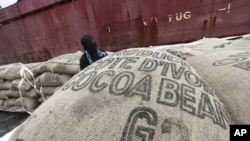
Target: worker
x=92 y=52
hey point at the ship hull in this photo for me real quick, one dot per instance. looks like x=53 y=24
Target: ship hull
x=36 y=30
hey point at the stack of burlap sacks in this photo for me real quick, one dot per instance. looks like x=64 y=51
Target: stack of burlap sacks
x=225 y=65
x=179 y=92
x=132 y=95
x=25 y=92
x=227 y=69
x=206 y=45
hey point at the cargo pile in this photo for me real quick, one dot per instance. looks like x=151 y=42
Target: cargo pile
x=225 y=65
x=188 y=91
x=206 y=45
x=133 y=94
x=23 y=87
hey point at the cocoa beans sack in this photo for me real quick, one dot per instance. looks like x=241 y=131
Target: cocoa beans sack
x=40 y=99
x=66 y=64
x=58 y=67
x=134 y=94
x=210 y=44
x=1 y=102
x=8 y=103
x=57 y=88
x=12 y=71
x=68 y=58
x=3 y=94
x=215 y=44
x=5 y=85
x=184 y=53
x=228 y=72
x=236 y=44
x=199 y=47
x=54 y=79
x=29 y=103
x=15 y=93
x=24 y=86
x=48 y=90
x=12 y=93
x=12 y=109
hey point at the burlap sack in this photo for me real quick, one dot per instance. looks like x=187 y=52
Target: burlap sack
x=32 y=93
x=3 y=94
x=239 y=44
x=12 y=71
x=8 y=103
x=216 y=44
x=16 y=93
x=210 y=44
x=228 y=72
x=1 y=102
x=199 y=47
x=57 y=88
x=52 y=79
x=66 y=64
x=68 y=58
x=10 y=109
x=48 y=90
x=41 y=100
x=25 y=85
x=2 y=71
x=135 y=94
x=5 y=85
x=109 y=52
x=12 y=93
x=29 y=104
x=184 y=52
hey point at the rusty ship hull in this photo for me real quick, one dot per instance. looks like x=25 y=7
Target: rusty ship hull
x=35 y=30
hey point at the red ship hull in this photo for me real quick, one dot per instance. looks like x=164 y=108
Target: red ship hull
x=34 y=30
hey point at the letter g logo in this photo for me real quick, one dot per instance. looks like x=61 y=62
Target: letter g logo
x=143 y=132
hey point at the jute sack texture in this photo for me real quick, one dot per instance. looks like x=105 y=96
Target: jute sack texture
x=64 y=64
x=12 y=71
x=228 y=72
x=23 y=79
x=135 y=94
x=5 y=85
x=206 y=45
x=52 y=79
x=238 y=44
x=198 y=47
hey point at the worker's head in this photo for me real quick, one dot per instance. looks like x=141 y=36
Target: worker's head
x=89 y=43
